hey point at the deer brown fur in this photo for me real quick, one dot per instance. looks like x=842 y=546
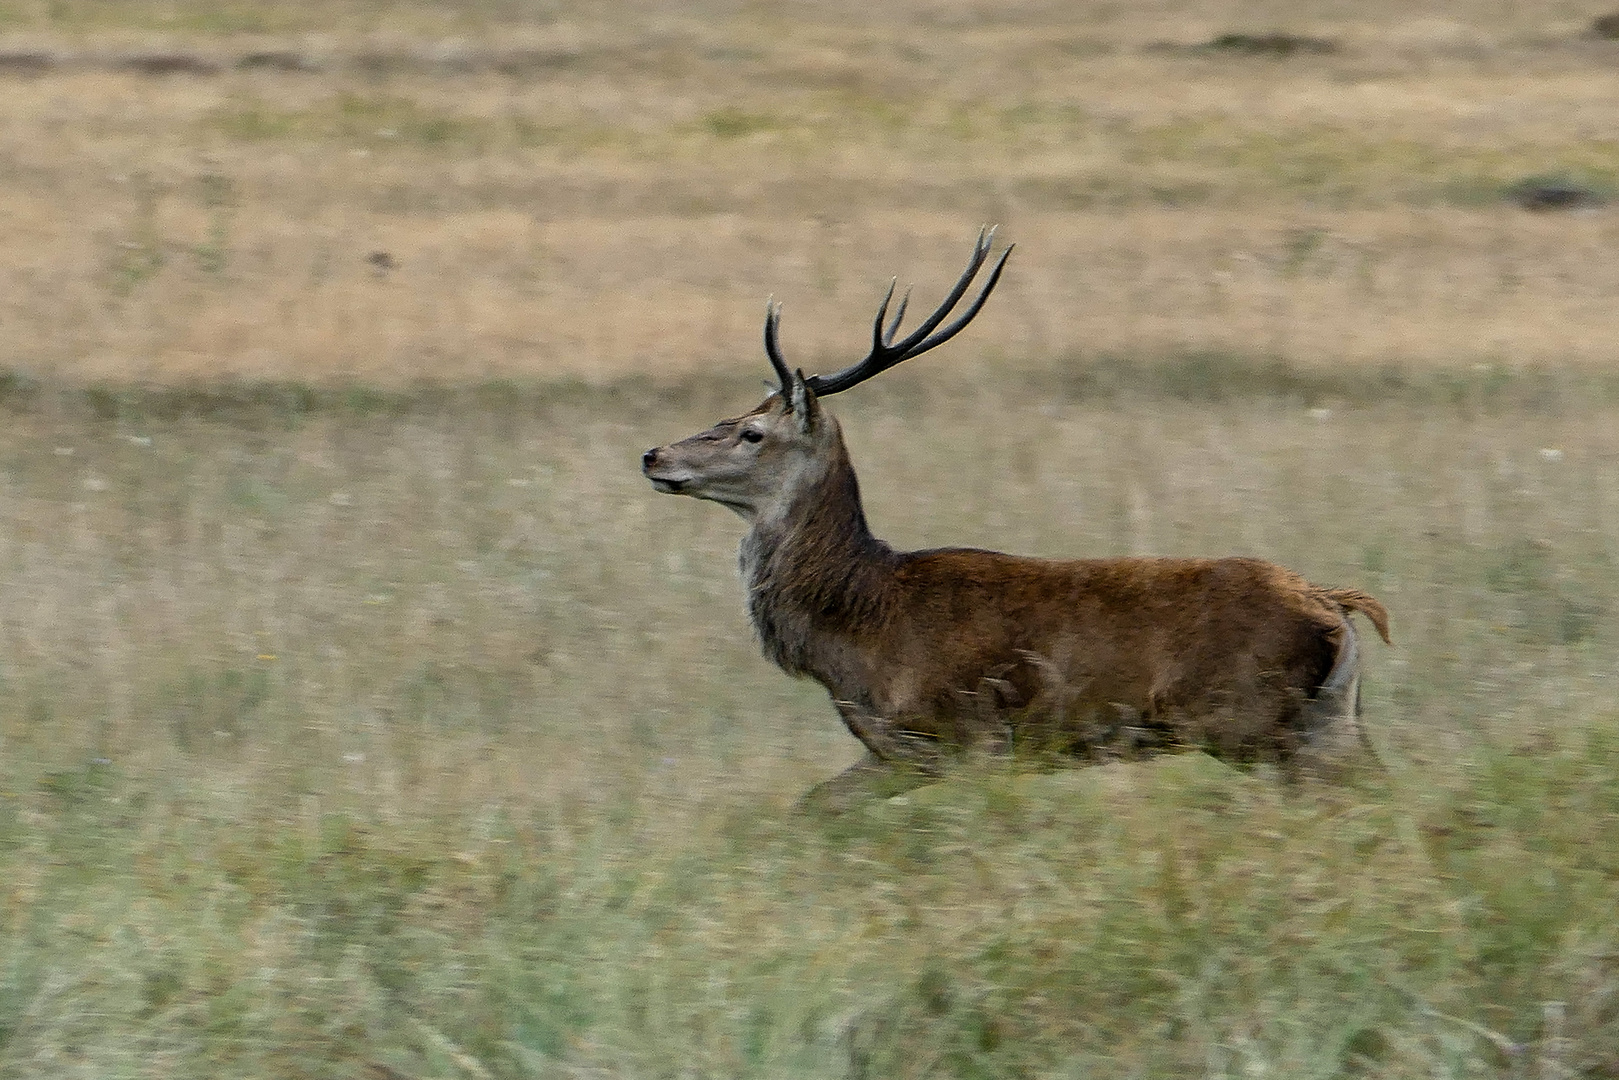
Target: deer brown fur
x=923 y=651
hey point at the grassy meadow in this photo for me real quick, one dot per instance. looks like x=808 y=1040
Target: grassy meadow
x=364 y=714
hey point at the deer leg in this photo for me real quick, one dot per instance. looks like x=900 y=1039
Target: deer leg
x=889 y=745
x=868 y=778
x=1333 y=742
x=894 y=763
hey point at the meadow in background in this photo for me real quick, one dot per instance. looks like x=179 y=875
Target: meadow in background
x=364 y=714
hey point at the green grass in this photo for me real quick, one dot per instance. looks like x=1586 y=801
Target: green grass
x=350 y=733
x=1159 y=920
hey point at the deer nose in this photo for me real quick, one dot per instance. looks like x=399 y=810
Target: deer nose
x=649 y=458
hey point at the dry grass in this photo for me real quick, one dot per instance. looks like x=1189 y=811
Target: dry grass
x=420 y=734
x=356 y=727
x=591 y=193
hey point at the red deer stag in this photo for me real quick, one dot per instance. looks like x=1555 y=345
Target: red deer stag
x=953 y=647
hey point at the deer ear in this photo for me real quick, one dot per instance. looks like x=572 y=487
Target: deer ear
x=801 y=401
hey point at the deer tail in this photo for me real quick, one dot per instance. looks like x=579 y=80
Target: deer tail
x=1367 y=605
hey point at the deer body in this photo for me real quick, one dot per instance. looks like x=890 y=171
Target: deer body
x=955 y=647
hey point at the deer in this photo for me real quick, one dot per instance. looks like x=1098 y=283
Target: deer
x=929 y=653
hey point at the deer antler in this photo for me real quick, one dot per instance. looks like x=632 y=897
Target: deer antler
x=885 y=351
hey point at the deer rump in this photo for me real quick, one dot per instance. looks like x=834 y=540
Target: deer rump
x=1100 y=658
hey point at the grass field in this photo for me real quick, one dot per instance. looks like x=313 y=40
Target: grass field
x=592 y=191
x=364 y=714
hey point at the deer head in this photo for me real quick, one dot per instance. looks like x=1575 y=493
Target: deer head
x=758 y=463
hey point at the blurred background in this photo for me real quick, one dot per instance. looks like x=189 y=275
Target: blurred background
x=475 y=190
x=363 y=713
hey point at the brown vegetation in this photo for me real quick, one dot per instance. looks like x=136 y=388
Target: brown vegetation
x=600 y=191
x=355 y=727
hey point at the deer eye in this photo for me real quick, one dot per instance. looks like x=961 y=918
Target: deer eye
x=752 y=435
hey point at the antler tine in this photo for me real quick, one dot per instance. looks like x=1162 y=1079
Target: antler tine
x=956 y=327
x=773 y=345
x=980 y=252
x=885 y=352
x=893 y=327
x=878 y=339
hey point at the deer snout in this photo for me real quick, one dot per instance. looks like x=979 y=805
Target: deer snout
x=650 y=461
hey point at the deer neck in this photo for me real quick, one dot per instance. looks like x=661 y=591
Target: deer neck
x=817 y=579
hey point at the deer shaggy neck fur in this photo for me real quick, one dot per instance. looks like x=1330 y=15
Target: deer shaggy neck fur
x=818 y=581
